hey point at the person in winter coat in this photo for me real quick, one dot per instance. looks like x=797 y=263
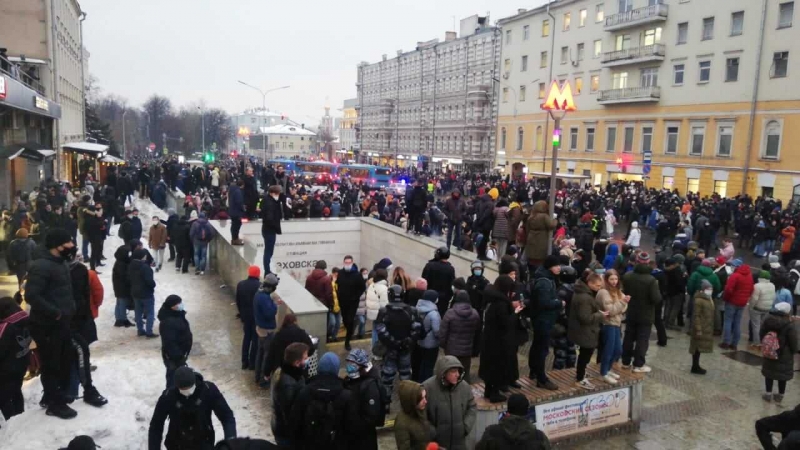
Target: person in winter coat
x=361 y=311
x=501 y=231
x=136 y=225
x=236 y=210
x=179 y=237
x=612 y=253
x=702 y=325
x=786 y=423
x=323 y=410
x=635 y=235
x=172 y=220
x=140 y=276
x=157 y=241
x=350 y=285
x=289 y=332
x=761 y=302
x=122 y=286
x=369 y=400
x=737 y=294
x=288 y=382
x=427 y=348
x=15 y=342
x=176 y=336
x=497 y=340
x=538 y=230
x=615 y=304
x=377 y=297
x=514 y=429
x=188 y=406
x=451 y=406
x=265 y=310
x=645 y=295
x=246 y=291
x=586 y=315
x=319 y=284
x=95 y=227
x=201 y=233
x=440 y=275
x=514 y=220
x=703 y=272
x=779 y=322
x=19 y=255
x=457 y=331
x=412 y=430
x=544 y=310
x=786 y=247
x=271 y=216
x=484 y=218
x=455 y=209
x=398 y=327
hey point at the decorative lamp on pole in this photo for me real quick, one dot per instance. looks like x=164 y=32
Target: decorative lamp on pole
x=558 y=103
x=263 y=99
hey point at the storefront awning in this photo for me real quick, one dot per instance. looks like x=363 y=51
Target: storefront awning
x=89 y=148
x=563 y=176
x=30 y=150
x=112 y=159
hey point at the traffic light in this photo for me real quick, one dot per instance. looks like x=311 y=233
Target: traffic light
x=556 y=137
x=208 y=157
x=233 y=154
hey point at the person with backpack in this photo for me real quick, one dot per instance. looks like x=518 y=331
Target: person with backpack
x=702 y=325
x=201 y=234
x=370 y=400
x=514 y=429
x=426 y=349
x=15 y=354
x=19 y=255
x=398 y=327
x=322 y=411
x=451 y=406
x=188 y=406
x=288 y=382
x=778 y=337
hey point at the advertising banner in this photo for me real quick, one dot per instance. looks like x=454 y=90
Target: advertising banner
x=585 y=413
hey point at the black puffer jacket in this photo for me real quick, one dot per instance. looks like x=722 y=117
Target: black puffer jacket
x=484 y=218
x=140 y=275
x=440 y=276
x=176 y=336
x=82 y=321
x=119 y=274
x=179 y=236
x=645 y=294
x=781 y=369
x=49 y=290
x=284 y=393
x=513 y=432
x=285 y=336
x=245 y=293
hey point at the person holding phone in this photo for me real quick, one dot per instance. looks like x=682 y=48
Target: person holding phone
x=615 y=303
x=586 y=315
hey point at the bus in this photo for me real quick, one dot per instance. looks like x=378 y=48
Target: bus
x=375 y=177
x=316 y=171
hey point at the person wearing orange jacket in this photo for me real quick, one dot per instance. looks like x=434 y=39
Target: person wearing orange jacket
x=786 y=247
x=96 y=293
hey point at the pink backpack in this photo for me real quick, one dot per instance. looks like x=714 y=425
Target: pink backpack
x=770 y=345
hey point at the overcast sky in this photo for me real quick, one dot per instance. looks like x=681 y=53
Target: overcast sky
x=190 y=50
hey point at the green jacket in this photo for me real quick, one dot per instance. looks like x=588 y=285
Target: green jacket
x=451 y=409
x=585 y=317
x=700 y=274
x=645 y=294
x=702 y=328
x=412 y=431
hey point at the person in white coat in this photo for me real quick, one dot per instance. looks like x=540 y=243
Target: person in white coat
x=761 y=302
x=377 y=296
x=635 y=236
x=610 y=222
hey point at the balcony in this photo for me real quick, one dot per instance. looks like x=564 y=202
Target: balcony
x=629 y=95
x=634 y=55
x=636 y=17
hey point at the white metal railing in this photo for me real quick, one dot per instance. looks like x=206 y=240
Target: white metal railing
x=634 y=53
x=632 y=93
x=635 y=15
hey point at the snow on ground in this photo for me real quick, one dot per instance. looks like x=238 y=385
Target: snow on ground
x=130 y=372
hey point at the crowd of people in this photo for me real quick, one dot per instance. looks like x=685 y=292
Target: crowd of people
x=569 y=283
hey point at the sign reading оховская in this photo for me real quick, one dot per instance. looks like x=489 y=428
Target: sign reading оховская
x=585 y=413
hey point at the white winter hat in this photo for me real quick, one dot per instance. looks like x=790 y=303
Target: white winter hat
x=783 y=307
x=634 y=224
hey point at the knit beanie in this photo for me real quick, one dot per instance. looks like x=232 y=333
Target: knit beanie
x=705 y=284
x=57 y=237
x=518 y=405
x=460 y=284
x=172 y=300
x=550 y=261
x=184 y=377
x=329 y=364
x=430 y=295
x=764 y=274
x=643 y=258
x=82 y=442
x=254 y=271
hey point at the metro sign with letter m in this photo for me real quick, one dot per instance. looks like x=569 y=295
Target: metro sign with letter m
x=559 y=99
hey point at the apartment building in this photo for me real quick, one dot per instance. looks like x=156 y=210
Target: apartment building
x=435 y=104
x=705 y=85
x=347 y=127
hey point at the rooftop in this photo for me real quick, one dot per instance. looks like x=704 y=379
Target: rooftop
x=286 y=129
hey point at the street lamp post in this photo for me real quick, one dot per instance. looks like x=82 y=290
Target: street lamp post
x=263 y=99
x=202 y=129
x=124 y=147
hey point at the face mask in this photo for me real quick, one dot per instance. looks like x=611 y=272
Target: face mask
x=68 y=253
x=275 y=196
x=305 y=364
x=477 y=273
x=348 y=266
x=366 y=277
x=708 y=292
x=187 y=392
x=181 y=307
x=352 y=371
x=155 y=221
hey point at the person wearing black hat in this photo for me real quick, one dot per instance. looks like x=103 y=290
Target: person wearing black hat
x=176 y=335
x=440 y=276
x=49 y=293
x=545 y=309
x=143 y=287
x=82 y=442
x=188 y=406
x=645 y=295
x=498 y=339
x=514 y=430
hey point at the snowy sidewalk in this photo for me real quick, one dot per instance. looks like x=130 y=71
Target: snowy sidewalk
x=130 y=372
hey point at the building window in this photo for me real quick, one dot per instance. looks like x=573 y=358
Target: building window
x=526 y=32
x=623 y=42
x=595 y=84
x=545 y=28
x=720 y=188
x=611 y=139
x=578 y=85
x=539 y=138
x=520 y=137
x=508 y=37
x=522 y=93
x=786 y=15
x=505 y=95
x=705 y=71
x=590 y=139
x=524 y=63
x=724 y=140
x=693 y=185
x=503 y=138
x=507 y=65
x=678 y=70
x=772 y=140
x=628 y=140
x=543 y=60
x=541 y=90
x=580 y=52
x=583 y=15
x=780 y=61
x=573 y=138
x=708 y=29
x=564 y=54
x=683 y=32
x=732 y=69
x=599 y=15
x=698 y=139
x=668 y=183
x=625 y=5
x=652 y=36
x=647 y=139
x=649 y=77
x=598 y=48
x=737 y=23
x=671 y=147
x=620 y=80
x=567 y=20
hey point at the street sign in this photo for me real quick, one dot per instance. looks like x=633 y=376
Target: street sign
x=648 y=157
x=646 y=169
x=152 y=146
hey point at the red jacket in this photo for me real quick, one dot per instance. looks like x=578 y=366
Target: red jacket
x=739 y=286
x=319 y=285
x=95 y=293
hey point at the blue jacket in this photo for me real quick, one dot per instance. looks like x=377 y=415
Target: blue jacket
x=611 y=256
x=265 y=310
x=196 y=231
x=431 y=321
x=784 y=296
x=160 y=195
x=235 y=202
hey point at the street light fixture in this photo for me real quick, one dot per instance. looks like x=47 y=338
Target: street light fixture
x=263 y=100
x=202 y=128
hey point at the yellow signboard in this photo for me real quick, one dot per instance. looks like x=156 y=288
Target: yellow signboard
x=559 y=99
